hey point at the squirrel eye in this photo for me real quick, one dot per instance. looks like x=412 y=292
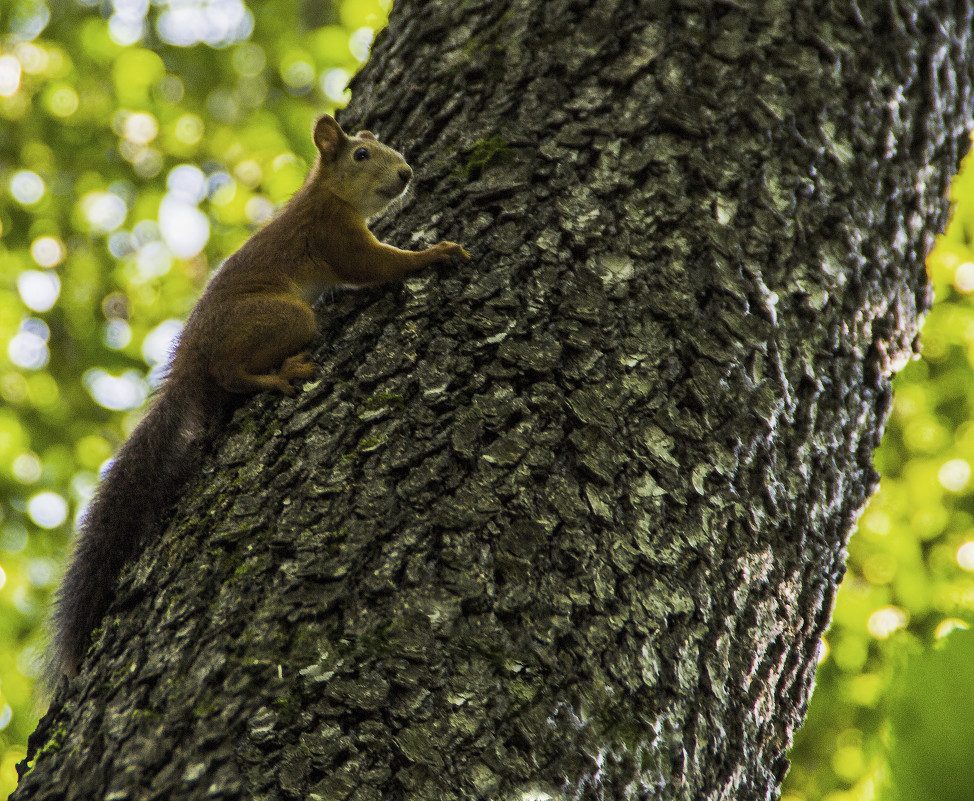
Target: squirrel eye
x=361 y=154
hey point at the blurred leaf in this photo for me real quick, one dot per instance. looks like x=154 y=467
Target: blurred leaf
x=931 y=748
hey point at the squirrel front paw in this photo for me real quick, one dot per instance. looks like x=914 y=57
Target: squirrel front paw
x=444 y=251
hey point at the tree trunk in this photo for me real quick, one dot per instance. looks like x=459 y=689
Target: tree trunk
x=567 y=521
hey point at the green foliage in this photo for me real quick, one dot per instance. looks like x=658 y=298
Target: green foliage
x=135 y=153
x=932 y=706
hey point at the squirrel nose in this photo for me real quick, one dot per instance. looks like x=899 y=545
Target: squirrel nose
x=405 y=173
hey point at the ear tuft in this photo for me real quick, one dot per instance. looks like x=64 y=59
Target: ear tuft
x=329 y=136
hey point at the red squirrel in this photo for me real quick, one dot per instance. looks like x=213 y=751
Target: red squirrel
x=248 y=332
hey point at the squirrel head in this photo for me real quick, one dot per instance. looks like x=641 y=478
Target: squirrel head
x=360 y=170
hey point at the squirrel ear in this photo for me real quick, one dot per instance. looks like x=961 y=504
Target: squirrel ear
x=365 y=135
x=328 y=136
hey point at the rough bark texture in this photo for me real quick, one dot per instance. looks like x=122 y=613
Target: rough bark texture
x=568 y=520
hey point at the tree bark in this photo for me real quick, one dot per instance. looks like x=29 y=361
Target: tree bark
x=566 y=522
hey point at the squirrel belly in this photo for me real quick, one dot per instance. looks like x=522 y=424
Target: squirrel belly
x=248 y=333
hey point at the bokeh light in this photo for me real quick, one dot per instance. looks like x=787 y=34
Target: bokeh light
x=334 y=84
x=187 y=183
x=954 y=474
x=27 y=467
x=47 y=509
x=360 y=43
x=104 y=211
x=10 y=70
x=215 y=22
x=259 y=209
x=63 y=102
x=27 y=187
x=184 y=227
x=38 y=290
x=945 y=627
x=120 y=393
x=28 y=348
x=159 y=342
x=140 y=128
x=964 y=277
x=965 y=556
x=886 y=620
x=47 y=251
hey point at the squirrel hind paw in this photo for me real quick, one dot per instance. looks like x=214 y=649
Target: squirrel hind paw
x=298 y=366
x=295 y=368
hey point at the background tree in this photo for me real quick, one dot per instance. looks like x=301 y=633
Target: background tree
x=556 y=547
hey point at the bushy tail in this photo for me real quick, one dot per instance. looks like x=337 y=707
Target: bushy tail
x=130 y=506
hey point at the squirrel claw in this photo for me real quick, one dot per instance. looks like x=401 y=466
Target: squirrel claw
x=449 y=249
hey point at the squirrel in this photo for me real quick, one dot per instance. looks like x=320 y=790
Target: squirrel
x=247 y=333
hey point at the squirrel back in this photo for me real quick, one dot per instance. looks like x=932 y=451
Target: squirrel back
x=248 y=333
